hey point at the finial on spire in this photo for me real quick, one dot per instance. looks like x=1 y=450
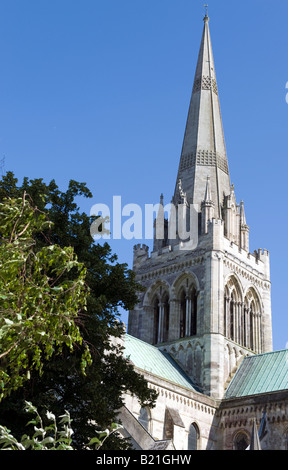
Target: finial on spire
x=206 y=17
x=208 y=196
x=182 y=194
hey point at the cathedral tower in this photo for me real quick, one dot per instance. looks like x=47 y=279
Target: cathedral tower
x=208 y=303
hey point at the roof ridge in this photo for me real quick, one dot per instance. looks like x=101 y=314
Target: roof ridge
x=266 y=353
x=142 y=341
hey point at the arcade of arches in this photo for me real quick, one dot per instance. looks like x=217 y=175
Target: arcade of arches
x=242 y=316
x=185 y=308
x=242 y=313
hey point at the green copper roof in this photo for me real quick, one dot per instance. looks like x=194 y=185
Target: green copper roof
x=151 y=359
x=262 y=373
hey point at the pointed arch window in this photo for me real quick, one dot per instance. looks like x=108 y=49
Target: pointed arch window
x=156 y=312
x=183 y=314
x=242 y=317
x=241 y=441
x=252 y=314
x=193 y=326
x=166 y=313
x=144 y=418
x=188 y=311
x=253 y=318
x=233 y=311
x=193 y=437
x=161 y=317
x=232 y=308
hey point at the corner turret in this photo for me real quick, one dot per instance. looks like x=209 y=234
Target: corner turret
x=207 y=208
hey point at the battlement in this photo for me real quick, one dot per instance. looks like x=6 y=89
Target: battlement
x=140 y=249
x=140 y=254
x=259 y=260
x=261 y=252
x=263 y=256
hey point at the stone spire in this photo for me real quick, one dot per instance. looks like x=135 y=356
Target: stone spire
x=203 y=152
x=207 y=207
x=244 y=229
x=242 y=214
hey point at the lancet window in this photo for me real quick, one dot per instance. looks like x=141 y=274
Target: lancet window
x=241 y=441
x=156 y=314
x=166 y=317
x=253 y=320
x=182 y=314
x=145 y=418
x=233 y=311
x=242 y=317
x=161 y=318
x=188 y=311
x=176 y=318
x=193 y=437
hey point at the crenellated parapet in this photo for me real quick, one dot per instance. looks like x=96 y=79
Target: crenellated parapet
x=140 y=254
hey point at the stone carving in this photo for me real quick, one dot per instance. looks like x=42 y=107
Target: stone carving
x=204 y=157
x=205 y=83
x=182 y=193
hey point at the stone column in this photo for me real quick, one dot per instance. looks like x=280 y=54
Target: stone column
x=188 y=317
x=236 y=322
x=249 y=328
x=245 y=326
x=233 y=319
x=174 y=320
x=161 y=317
x=252 y=330
x=225 y=329
x=258 y=333
x=240 y=324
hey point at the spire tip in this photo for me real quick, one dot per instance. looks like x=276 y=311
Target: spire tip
x=206 y=17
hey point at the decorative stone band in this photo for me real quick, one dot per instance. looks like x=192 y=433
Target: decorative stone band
x=204 y=157
x=205 y=83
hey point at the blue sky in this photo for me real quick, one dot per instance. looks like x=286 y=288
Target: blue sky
x=98 y=91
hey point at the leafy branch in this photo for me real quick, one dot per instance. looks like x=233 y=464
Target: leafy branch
x=49 y=437
x=39 y=303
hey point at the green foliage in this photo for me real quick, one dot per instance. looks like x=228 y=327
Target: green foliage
x=44 y=437
x=111 y=285
x=97 y=442
x=39 y=306
x=50 y=436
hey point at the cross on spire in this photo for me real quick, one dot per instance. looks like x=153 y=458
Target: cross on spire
x=206 y=18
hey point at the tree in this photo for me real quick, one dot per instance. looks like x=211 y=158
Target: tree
x=99 y=395
x=38 y=306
